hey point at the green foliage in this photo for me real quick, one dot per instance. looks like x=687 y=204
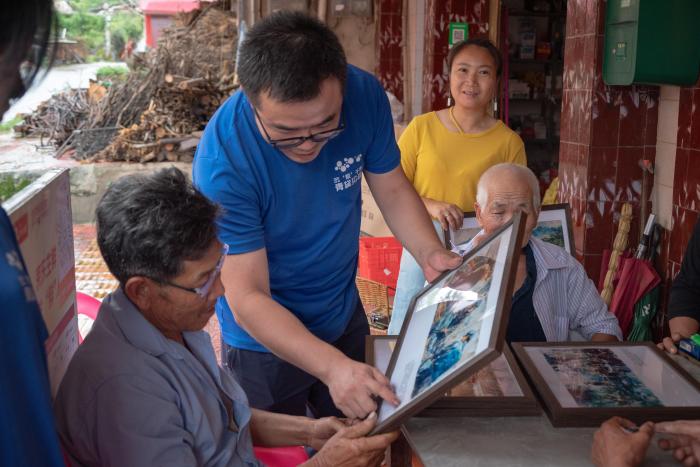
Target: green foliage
x=110 y=72
x=7 y=126
x=85 y=27
x=88 y=26
x=10 y=185
x=125 y=26
x=93 y=5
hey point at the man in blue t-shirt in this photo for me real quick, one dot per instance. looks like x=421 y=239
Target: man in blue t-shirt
x=27 y=431
x=284 y=157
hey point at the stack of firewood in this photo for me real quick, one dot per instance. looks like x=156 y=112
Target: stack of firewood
x=170 y=128
x=56 y=118
x=160 y=110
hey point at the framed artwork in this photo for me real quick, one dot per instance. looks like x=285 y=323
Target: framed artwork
x=454 y=327
x=553 y=226
x=585 y=383
x=497 y=390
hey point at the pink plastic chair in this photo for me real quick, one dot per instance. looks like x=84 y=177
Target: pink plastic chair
x=288 y=456
x=88 y=307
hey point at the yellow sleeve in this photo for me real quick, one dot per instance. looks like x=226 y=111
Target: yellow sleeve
x=550 y=196
x=408 y=144
x=517 y=153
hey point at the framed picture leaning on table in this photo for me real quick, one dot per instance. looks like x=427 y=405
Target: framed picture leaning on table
x=585 y=383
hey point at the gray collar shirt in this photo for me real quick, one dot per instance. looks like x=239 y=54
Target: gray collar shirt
x=132 y=397
x=565 y=299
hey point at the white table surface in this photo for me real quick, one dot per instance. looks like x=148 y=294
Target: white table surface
x=512 y=441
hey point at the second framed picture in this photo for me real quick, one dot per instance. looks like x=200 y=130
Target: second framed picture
x=585 y=383
x=454 y=327
x=497 y=390
x=553 y=226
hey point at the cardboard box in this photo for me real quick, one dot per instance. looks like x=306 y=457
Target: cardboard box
x=372 y=223
x=41 y=217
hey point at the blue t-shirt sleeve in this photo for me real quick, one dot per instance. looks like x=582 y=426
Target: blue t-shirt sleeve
x=27 y=431
x=221 y=171
x=383 y=153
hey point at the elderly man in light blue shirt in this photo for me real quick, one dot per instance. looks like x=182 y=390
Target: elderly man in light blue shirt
x=554 y=299
x=144 y=388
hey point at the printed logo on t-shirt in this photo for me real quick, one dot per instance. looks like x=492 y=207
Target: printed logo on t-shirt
x=349 y=172
x=13 y=259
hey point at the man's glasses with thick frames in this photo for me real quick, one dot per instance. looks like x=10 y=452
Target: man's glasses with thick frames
x=203 y=291
x=288 y=143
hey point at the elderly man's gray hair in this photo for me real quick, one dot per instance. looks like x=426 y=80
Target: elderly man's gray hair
x=520 y=171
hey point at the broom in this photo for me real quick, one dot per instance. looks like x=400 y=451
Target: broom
x=619 y=247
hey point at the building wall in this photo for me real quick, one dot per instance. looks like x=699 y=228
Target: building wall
x=686 y=180
x=439 y=15
x=358 y=38
x=666 y=146
x=606 y=132
x=390 y=46
x=375 y=44
x=410 y=57
x=677 y=171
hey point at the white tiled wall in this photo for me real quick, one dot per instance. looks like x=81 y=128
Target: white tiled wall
x=666 y=137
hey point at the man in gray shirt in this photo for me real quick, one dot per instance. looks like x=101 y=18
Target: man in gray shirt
x=144 y=389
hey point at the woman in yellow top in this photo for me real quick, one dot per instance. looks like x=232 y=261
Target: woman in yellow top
x=444 y=153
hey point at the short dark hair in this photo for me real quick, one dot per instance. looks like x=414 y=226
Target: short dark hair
x=26 y=29
x=289 y=54
x=147 y=225
x=478 y=42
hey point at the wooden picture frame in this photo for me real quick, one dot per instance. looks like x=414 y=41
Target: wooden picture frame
x=454 y=327
x=585 y=383
x=553 y=226
x=519 y=400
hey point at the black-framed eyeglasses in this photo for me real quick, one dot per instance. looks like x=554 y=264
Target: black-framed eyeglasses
x=287 y=143
x=203 y=291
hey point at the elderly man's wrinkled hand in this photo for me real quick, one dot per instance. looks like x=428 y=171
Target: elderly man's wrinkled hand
x=350 y=447
x=354 y=387
x=615 y=444
x=323 y=429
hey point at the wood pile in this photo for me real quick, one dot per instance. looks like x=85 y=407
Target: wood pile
x=57 y=118
x=158 y=113
x=169 y=129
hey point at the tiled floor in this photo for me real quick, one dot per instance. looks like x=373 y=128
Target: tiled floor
x=91 y=274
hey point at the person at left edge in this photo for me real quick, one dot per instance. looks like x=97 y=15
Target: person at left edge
x=27 y=431
x=284 y=157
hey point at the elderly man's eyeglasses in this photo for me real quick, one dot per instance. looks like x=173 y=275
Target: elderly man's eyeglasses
x=288 y=143
x=203 y=291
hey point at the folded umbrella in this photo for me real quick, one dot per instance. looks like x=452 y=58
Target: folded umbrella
x=638 y=278
x=644 y=312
